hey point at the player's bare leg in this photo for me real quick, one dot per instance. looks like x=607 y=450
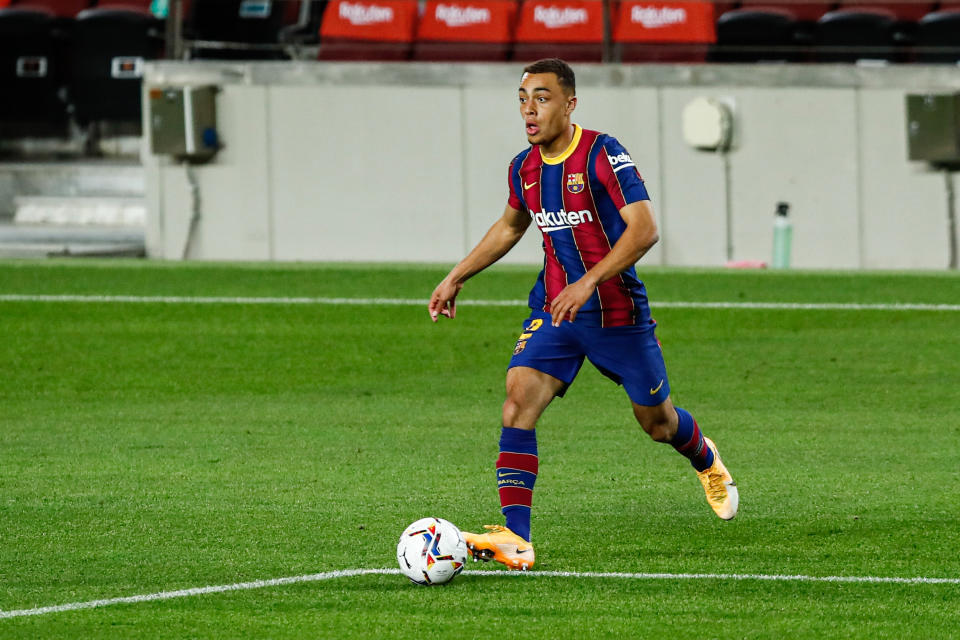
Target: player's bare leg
x=660 y=421
x=666 y=423
x=529 y=392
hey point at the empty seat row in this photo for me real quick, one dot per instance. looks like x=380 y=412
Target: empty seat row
x=897 y=32
x=505 y=29
x=90 y=70
x=497 y=30
x=221 y=28
x=641 y=31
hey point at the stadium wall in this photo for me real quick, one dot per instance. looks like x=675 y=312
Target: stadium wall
x=407 y=162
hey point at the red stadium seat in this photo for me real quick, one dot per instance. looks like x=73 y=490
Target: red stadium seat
x=568 y=29
x=368 y=30
x=462 y=30
x=664 y=31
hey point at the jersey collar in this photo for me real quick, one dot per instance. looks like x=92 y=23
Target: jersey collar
x=577 y=131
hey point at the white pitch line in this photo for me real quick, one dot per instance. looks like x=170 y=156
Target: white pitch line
x=733 y=576
x=198 y=591
x=415 y=302
x=348 y=573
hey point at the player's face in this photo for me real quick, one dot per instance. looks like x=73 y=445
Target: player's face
x=545 y=108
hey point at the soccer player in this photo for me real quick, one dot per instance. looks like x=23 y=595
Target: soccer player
x=583 y=191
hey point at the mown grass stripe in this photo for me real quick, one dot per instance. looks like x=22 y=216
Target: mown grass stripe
x=347 y=573
x=414 y=302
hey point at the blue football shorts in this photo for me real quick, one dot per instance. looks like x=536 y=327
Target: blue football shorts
x=629 y=355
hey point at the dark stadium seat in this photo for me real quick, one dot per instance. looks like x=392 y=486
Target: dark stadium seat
x=568 y=29
x=138 y=5
x=142 y=5
x=663 y=31
x=906 y=11
x=61 y=8
x=801 y=11
x=108 y=48
x=907 y=14
x=805 y=13
x=459 y=30
x=938 y=37
x=368 y=30
x=757 y=35
x=848 y=35
x=240 y=26
x=30 y=73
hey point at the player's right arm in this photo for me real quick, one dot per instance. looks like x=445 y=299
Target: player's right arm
x=499 y=239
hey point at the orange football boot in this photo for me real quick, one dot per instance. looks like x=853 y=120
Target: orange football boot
x=718 y=484
x=502 y=545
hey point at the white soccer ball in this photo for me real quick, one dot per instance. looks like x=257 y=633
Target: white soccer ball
x=431 y=551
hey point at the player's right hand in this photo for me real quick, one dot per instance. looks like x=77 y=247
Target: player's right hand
x=443 y=302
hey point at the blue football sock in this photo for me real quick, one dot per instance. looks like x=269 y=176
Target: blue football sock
x=517 y=468
x=689 y=441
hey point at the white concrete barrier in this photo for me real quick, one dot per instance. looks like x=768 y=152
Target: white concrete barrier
x=408 y=162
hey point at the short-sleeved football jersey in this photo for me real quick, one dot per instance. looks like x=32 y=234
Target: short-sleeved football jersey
x=575 y=200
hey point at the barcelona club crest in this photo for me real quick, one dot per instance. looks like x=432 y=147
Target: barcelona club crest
x=575 y=182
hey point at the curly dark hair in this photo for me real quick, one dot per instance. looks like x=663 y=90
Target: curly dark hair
x=568 y=81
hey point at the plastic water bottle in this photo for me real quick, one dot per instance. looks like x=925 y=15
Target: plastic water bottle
x=782 y=237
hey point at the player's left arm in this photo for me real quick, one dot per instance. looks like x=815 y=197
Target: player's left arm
x=638 y=237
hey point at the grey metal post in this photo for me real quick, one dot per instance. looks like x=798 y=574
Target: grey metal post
x=174 y=30
x=951 y=218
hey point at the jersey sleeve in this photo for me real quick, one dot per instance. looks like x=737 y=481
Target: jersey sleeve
x=618 y=173
x=513 y=183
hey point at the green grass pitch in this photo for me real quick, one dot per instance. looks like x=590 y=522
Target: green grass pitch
x=149 y=447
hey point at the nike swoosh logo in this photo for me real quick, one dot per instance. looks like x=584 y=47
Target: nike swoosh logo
x=504 y=475
x=527 y=186
x=523 y=550
x=653 y=392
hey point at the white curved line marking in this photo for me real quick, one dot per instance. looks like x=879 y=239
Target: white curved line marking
x=347 y=573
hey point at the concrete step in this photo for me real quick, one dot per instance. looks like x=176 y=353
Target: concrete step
x=71 y=251
x=28 y=241
x=80 y=211
x=110 y=178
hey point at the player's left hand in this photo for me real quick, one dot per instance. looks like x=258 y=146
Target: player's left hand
x=568 y=302
x=443 y=301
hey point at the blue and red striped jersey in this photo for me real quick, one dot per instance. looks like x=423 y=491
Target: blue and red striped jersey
x=575 y=200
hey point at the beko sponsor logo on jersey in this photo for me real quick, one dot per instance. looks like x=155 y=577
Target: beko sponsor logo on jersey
x=656 y=17
x=454 y=16
x=556 y=220
x=554 y=17
x=361 y=14
x=621 y=161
